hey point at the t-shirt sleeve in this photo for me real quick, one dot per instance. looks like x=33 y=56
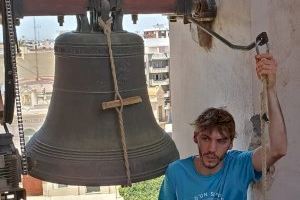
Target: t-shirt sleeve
x=246 y=164
x=167 y=189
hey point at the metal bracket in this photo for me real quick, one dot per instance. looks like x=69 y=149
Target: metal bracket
x=61 y=20
x=262 y=39
x=205 y=10
x=115 y=5
x=98 y=8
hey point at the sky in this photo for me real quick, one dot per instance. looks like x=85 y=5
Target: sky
x=48 y=28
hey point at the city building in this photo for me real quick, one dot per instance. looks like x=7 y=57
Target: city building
x=157 y=62
x=156 y=97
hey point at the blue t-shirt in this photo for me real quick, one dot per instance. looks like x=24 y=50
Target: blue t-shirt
x=183 y=181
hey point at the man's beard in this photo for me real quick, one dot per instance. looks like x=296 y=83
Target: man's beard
x=213 y=156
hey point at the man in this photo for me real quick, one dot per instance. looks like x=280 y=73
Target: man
x=219 y=173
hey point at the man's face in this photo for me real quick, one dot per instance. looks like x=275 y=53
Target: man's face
x=212 y=146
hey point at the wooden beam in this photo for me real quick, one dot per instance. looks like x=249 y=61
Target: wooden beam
x=73 y=7
x=53 y=7
x=117 y=103
x=149 y=6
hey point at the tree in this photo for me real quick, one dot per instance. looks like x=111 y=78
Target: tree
x=146 y=190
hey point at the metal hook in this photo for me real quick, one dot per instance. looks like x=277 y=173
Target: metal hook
x=261 y=39
x=222 y=39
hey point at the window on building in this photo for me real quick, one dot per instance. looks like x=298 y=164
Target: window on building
x=152 y=49
x=162 y=34
x=155 y=64
x=162 y=49
x=90 y=189
x=149 y=34
x=159 y=63
x=43 y=97
x=61 y=186
x=160 y=76
x=26 y=99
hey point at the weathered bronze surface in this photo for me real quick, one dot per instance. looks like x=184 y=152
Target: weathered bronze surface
x=79 y=143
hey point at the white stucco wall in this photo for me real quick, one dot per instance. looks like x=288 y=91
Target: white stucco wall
x=201 y=79
x=226 y=77
x=281 y=18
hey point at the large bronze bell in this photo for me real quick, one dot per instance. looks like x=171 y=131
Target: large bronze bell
x=79 y=143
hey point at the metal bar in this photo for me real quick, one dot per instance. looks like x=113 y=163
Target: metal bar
x=222 y=39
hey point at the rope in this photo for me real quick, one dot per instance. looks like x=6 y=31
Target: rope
x=106 y=26
x=264 y=134
x=264 y=118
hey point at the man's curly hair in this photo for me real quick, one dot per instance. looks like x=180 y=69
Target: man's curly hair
x=217 y=118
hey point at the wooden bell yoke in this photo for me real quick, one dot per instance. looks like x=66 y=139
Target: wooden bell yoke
x=73 y=7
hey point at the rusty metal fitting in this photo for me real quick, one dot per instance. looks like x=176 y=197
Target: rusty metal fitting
x=172 y=18
x=134 y=18
x=204 y=10
x=61 y=20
